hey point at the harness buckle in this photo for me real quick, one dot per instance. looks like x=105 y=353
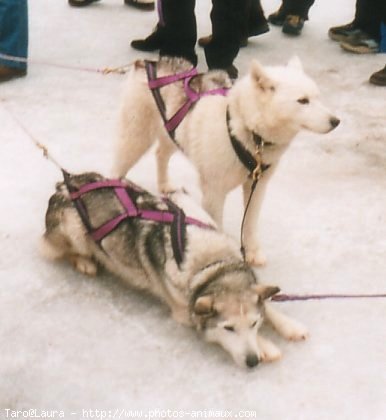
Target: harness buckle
x=258 y=171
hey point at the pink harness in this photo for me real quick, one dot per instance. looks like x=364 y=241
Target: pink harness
x=126 y=193
x=192 y=96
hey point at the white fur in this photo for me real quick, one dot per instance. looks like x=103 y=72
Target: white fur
x=265 y=101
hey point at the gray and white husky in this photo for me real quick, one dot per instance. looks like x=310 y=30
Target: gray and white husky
x=212 y=290
x=274 y=103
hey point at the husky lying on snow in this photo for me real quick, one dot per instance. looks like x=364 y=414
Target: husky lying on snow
x=270 y=103
x=210 y=289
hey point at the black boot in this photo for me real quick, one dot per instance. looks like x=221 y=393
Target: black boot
x=139 y=5
x=152 y=43
x=80 y=3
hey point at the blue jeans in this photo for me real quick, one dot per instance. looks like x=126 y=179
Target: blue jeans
x=13 y=31
x=382 y=47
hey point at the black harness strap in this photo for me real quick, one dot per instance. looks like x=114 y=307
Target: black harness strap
x=78 y=203
x=254 y=167
x=151 y=71
x=178 y=231
x=244 y=155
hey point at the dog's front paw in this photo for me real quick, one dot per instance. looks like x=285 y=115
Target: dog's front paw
x=269 y=352
x=255 y=257
x=181 y=316
x=166 y=188
x=84 y=265
x=295 y=332
x=272 y=356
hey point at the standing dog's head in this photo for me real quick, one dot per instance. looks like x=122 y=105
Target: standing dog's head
x=230 y=313
x=289 y=98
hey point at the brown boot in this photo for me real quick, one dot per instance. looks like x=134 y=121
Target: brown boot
x=8 y=73
x=379 y=78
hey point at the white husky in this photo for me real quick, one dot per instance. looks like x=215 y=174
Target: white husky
x=272 y=103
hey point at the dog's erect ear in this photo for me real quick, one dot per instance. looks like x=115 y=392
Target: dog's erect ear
x=204 y=305
x=260 y=77
x=265 y=292
x=295 y=63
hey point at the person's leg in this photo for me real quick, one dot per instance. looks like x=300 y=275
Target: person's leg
x=256 y=21
x=383 y=28
x=178 y=26
x=298 y=7
x=175 y=33
x=253 y=23
x=368 y=17
x=14 y=32
x=228 y=21
x=379 y=77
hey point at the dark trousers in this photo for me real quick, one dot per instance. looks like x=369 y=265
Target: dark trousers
x=228 y=22
x=368 y=16
x=255 y=19
x=177 y=29
x=297 y=7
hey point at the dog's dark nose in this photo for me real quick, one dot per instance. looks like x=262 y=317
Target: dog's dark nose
x=334 y=122
x=252 y=360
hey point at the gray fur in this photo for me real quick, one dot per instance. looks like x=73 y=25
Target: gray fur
x=211 y=287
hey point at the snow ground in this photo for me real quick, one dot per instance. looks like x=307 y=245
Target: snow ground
x=71 y=343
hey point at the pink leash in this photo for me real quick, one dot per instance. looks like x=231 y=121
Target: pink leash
x=292 y=298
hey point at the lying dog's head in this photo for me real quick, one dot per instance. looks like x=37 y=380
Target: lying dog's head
x=230 y=313
x=289 y=98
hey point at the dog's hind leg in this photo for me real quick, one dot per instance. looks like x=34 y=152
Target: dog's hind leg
x=53 y=248
x=68 y=240
x=56 y=247
x=134 y=140
x=83 y=264
x=268 y=351
x=165 y=150
x=284 y=325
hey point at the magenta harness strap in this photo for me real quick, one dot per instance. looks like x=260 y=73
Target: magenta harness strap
x=192 y=96
x=124 y=191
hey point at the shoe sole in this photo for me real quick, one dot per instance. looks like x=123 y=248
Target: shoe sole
x=14 y=76
x=377 y=82
x=358 y=49
x=140 y=6
x=291 y=31
x=74 y=3
x=338 y=38
x=143 y=49
x=341 y=37
x=276 y=22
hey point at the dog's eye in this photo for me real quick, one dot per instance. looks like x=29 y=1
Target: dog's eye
x=229 y=328
x=254 y=324
x=304 y=101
